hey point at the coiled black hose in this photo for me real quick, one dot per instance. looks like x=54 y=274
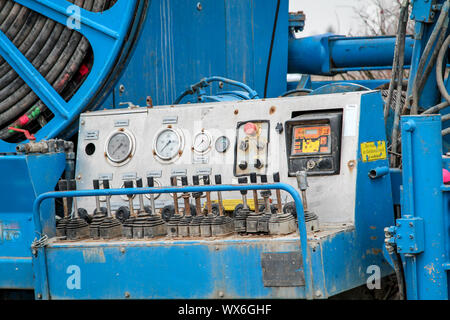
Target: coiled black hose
x=55 y=51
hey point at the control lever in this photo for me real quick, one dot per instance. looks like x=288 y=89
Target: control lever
x=253 y=180
x=241 y=214
x=194 y=226
x=183 y=225
x=206 y=182
x=129 y=185
x=276 y=179
x=172 y=224
x=173 y=183
x=151 y=184
x=221 y=225
x=128 y=225
x=62 y=223
x=110 y=227
x=302 y=182
x=100 y=214
x=311 y=219
x=205 y=225
x=76 y=228
x=283 y=222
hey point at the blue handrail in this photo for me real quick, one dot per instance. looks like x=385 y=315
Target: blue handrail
x=113 y=192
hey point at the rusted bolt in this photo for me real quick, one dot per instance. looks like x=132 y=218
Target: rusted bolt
x=221 y=294
x=272 y=109
x=199 y=6
x=121 y=88
x=127 y=294
x=82 y=122
x=122 y=250
x=39 y=296
x=318 y=294
x=149 y=102
x=351 y=164
x=236 y=112
x=221 y=85
x=217 y=248
x=411 y=224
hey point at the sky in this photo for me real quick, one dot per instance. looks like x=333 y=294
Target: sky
x=321 y=14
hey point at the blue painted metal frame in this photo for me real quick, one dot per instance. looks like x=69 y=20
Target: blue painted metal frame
x=106 y=32
x=23 y=179
x=422 y=233
x=40 y=261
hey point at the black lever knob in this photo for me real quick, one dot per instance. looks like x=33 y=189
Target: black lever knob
x=173 y=181
x=218 y=179
x=150 y=182
x=184 y=181
x=139 y=183
x=253 y=177
x=196 y=180
x=106 y=184
x=128 y=184
x=243 y=180
x=206 y=180
x=96 y=184
x=276 y=177
x=264 y=178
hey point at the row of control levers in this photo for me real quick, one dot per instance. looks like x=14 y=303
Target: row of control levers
x=193 y=222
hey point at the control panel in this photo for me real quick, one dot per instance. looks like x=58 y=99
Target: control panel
x=253 y=139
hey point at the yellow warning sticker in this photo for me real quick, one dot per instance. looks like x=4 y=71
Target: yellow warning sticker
x=372 y=151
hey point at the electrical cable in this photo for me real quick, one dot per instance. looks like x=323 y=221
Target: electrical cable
x=269 y=60
x=425 y=56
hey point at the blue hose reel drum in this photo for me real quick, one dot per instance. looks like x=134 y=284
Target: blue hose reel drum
x=58 y=59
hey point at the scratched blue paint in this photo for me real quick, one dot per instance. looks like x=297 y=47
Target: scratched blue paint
x=23 y=179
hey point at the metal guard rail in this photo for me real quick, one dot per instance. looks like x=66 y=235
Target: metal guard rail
x=158 y=190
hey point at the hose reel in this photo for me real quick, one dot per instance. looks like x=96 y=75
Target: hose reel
x=49 y=70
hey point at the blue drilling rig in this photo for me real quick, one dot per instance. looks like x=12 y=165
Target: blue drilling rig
x=165 y=150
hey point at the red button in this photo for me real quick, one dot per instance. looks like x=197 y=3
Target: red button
x=250 y=128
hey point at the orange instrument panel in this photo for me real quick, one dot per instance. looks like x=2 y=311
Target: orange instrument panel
x=311 y=140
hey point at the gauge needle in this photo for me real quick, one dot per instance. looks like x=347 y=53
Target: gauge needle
x=169 y=142
x=119 y=146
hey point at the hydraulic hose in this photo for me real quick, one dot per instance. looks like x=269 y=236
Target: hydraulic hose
x=440 y=71
x=425 y=55
x=55 y=51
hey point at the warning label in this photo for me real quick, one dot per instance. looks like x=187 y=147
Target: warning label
x=372 y=151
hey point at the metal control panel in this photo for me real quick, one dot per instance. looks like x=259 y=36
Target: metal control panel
x=234 y=139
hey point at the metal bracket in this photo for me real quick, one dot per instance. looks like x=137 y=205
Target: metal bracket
x=408 y=235
x=423 y=10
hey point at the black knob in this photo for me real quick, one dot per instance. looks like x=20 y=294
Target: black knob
x=196 y=180
x=62 y=185
x=242 y=180
x=106 y=184
x=128 y=184
x=263 y=178
x=218 y=179
x=258 y=164
x=184 y=181
x=72 y=185
x=173 y=181
x=139 y=183
x=150 y=182
x=253 y=177
x=206 y=180
x=96 y=184
x=276 y=177
x=243 y=165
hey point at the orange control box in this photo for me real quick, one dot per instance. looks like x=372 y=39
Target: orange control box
x=311 y=140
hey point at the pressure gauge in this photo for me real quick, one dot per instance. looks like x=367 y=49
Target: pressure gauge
x=119 y=146
x=222 y=144
x=168 y=144
x=202 y=142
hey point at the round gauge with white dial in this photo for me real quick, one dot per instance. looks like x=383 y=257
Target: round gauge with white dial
x=119 y=146
x=168 y=144
x=222 y=144
x=202 y=142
